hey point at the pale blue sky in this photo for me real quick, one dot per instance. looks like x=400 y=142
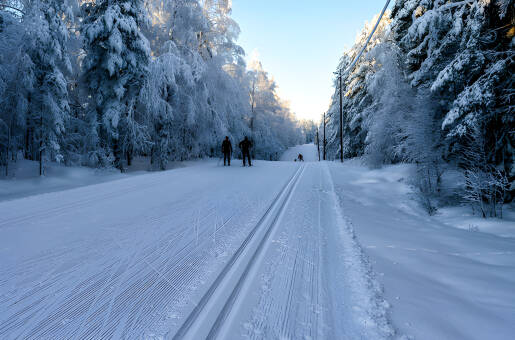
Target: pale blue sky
x=300 y=42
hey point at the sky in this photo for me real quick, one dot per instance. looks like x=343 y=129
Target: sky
x=299 y=43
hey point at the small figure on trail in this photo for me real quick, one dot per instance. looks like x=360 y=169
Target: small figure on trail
x=300 y=158
x=245 y=146
x=227 y=150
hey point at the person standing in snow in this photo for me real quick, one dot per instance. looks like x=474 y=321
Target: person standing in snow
x=245 y=146
x=227 y=150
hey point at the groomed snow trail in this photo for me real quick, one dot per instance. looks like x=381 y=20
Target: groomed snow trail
x=311 y=280
x=199 y=252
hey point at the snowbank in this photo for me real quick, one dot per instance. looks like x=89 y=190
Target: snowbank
x=443 y=282
x=24 y=179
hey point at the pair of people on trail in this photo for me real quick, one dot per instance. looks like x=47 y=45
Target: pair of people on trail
x=245 y=146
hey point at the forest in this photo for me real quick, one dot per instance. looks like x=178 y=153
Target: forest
x=97 y=83
x=435 y=88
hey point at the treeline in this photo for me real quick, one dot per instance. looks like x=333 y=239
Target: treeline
x=98 y=82
x=435 y=87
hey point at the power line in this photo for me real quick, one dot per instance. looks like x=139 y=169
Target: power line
x=369 y=38
x=349 y=69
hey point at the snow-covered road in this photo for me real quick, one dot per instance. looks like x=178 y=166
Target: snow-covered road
x=267 y=252
x=200 y=251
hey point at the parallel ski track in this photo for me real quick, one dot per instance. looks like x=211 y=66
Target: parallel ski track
x=290 y=303
x=148 y=254
x=83 y=299
x=101 y=304
x=193 y=317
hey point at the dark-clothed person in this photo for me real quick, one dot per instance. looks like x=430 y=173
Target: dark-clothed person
x=245 y=146
x=227 y=150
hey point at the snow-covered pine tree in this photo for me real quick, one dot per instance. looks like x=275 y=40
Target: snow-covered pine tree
x=273 y=127
x=48 y=110
x=115 y=66
x=484 y=67
x=169 y=79
x=16 y=81
x=463 y=52
x=358 y=103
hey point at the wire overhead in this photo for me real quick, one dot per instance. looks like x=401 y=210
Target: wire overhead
x=368 y=39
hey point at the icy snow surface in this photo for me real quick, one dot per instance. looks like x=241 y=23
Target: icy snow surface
x=267 y=252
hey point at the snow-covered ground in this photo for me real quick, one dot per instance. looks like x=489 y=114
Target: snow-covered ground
x=308 y=151
x=281 y=250
x=442 y=280
x=24 y=179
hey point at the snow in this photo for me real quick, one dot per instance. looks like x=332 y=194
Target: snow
x=463 y=218
x=280 y=250
x=308 y=151
x=441 y=281
x=106 y=253
x=24 y=179
x=27 y=182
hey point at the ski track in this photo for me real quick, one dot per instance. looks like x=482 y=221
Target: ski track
x=86 y=291
x=316 y=282
x=291 y=286
x=242 y=259
x=280 y=253
x=290 y=302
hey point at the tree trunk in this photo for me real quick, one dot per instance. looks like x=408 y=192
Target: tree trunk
x=26 y=148
x=7 y=151
x=41 y=146
x=117 y=157
x=129 y=158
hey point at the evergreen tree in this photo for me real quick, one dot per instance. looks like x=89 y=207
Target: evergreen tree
x=115 y=66
x=16 y=82
x=87 y=91
x=463 y=52
x=48 y=109
x=429 y=84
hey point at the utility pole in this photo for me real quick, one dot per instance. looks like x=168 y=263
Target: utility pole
x=341 y=115
x=253 y=101
x=350 y=68
x=325 y=141
x=318 y=146
x=41 y=144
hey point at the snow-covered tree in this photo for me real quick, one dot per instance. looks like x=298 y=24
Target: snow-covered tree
x=36 y=92
x=463 y=52
x=358 y=103
x=16 y=81
x=209 y=90
x=157 y=78
x=273 y=127
x=48 y=105
x=435 y=75
x=115 y=66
